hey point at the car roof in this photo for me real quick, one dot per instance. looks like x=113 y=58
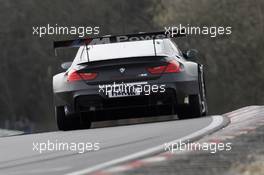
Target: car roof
x=123 y=50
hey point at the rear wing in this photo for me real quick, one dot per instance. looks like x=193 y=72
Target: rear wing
x=117 y=38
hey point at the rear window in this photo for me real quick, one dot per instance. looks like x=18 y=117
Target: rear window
x=121 y=50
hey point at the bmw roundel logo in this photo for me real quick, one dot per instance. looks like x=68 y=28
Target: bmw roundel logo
x=122 y=70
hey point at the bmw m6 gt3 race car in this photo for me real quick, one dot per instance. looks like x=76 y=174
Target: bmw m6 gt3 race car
x=117 y=73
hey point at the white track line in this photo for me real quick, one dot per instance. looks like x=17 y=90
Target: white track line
x=216 y=122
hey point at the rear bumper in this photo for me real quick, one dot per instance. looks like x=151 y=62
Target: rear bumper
x=84 y=103
x=90 y=99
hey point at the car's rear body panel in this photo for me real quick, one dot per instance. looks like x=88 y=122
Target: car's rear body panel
x=123 y=70
x=83 y=97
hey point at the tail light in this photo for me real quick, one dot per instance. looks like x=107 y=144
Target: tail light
x=172 y=67
x=75 y=76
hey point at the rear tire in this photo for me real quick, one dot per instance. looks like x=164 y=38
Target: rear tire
x=193 y=110
x=61 y=119
x=197 y=103
x=72 y=122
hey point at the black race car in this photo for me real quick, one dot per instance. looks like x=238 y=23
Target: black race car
x=111 y=74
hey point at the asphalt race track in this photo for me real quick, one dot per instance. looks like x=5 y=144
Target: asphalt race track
x=117 y=145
